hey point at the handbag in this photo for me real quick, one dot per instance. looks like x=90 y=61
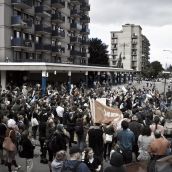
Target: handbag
x=8 y=145
x=109 y=138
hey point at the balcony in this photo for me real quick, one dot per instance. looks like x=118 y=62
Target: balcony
x=23 y=4
x=85 y=31
x=58 y=18
x=75 y=26
x=58 y=49
x=58 y=3
x=17 y=21
x=134 y=53
x=85 y=19
x=21 y=43
x=85 y=42
x=58 y=34
x=134 y=36
x=75 y=40
x=75 y=1
x=85 y=6
x=75 y=53
x=42 y=29
x=42 y=47
x=75 y=13
x=134 y=42
x=134 y=60
x=43 y=11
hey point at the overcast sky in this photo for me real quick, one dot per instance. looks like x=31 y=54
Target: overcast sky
x=154 y=16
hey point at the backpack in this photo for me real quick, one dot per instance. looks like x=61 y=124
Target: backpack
x=70 y=169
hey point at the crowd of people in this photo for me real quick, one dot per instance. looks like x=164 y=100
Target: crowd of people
x=61 y=122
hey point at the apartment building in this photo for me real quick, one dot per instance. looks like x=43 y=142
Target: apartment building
x=53 y=31
x=129 y=48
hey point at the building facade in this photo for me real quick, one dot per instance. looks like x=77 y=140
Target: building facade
x=129 y=48
x=52 y=31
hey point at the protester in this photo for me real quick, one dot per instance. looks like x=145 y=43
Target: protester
x=126 y=140
x=160 y=146
x=96 y=140
x=156 y=126
x=10 y=132
x=136 y=128
x=74 y=162
x=27 y=149
x=93 y=163
x=144 y=140
x=116 y=162
x=57 y=163
x=109 y=139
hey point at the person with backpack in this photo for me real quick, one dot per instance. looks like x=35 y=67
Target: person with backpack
x=74 y=164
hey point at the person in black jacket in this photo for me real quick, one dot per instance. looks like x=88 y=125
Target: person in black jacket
x=27 y=150
x=117 y=164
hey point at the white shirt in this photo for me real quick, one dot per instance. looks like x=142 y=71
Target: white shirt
x=60 y=111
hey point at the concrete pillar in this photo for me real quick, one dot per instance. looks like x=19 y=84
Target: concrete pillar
x=129 y=76
x=86 y=79
x=3 y=80
x=69 y=76
x=119 y=78
x=125 y=78
x=44 y=82
x=114 y=78
x=69 y=82
x=98 y=76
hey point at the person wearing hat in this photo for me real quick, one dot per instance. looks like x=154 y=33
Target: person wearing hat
x=116 y=162
x=74 y=163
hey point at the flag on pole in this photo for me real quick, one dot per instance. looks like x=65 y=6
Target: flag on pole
x=104 y=114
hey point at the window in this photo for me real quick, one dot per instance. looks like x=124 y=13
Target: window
x=18 y=34
x=38 y=39
x=17 y=55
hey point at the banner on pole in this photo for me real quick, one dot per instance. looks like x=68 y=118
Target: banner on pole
x=104 y=114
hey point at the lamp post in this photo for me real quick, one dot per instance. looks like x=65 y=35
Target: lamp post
x=170 y=51
x=166 y=73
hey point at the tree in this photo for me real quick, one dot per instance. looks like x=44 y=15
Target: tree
x=153 y=69
x=98 y=52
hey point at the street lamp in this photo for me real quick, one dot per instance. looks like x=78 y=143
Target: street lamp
x=170 y=51
x=166 y=73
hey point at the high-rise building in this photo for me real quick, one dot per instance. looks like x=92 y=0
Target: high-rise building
x=129 y=48
x=54 y=31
